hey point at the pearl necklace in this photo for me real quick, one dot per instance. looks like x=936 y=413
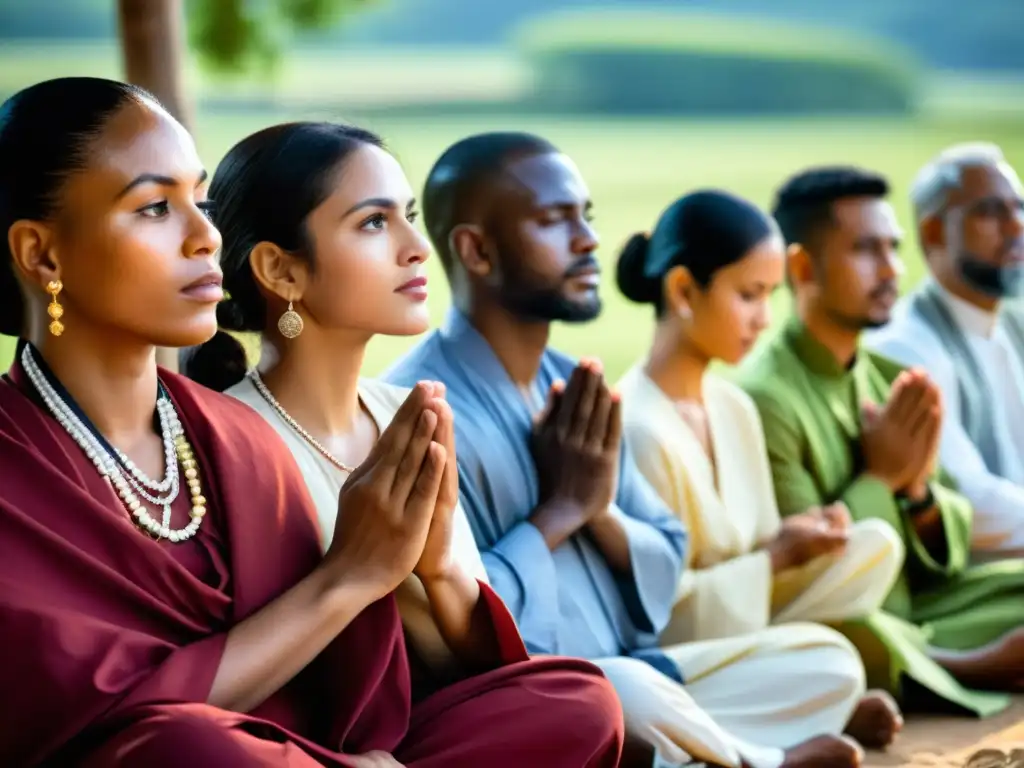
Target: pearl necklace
x=167 y=420
x=134 y=483
x=266 y=394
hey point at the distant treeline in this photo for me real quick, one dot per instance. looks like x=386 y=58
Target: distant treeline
x=614 y=61
x=982 y=34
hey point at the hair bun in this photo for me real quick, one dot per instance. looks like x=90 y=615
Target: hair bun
x=219 y=364
x=631 y=271
x=230 y=316
x=12 y=306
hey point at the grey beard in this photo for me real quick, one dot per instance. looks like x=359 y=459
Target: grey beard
x=996 y=282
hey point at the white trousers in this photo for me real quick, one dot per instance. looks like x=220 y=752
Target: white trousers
x=751 y=696
x=745 y=698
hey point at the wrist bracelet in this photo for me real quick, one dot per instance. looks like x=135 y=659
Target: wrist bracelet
x=917 y=507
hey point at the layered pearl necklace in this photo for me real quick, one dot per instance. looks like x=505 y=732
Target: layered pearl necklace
x=128 y=480
x=267 y=395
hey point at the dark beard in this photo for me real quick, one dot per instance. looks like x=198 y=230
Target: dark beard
x=548 y=306
x=856 y=324
x=996 y=282
x=868 y=324
x=521 y=295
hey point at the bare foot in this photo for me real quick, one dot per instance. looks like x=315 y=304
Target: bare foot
x=824 y=752
x=876 y=721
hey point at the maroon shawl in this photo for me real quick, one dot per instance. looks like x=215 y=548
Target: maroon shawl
x=98 y=619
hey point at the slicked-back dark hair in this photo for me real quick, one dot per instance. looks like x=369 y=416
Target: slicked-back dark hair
x=264 y=190
x=460 y=174
x=704 y=231
x=45 y=135
x=803 y=204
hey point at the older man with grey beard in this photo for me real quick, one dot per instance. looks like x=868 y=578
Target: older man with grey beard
x=963 y=326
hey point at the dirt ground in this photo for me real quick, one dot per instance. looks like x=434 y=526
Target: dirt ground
x=949 y=742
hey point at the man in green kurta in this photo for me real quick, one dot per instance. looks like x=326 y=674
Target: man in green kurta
x=843 y=424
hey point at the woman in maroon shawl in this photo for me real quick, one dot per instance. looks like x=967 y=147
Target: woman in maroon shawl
x=191 y=619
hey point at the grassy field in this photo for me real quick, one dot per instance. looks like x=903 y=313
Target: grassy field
x=634 y=168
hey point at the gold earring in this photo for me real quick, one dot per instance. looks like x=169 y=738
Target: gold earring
x=290 y=324
x=55 y=310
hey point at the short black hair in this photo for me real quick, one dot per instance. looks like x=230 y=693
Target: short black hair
x=803 y=204
x=459 y=174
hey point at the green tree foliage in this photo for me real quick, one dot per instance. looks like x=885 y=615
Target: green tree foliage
x=232 y=36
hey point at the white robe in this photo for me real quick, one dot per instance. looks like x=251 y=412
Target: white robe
x=749 y=685
x=324 y=481
x=729 y=588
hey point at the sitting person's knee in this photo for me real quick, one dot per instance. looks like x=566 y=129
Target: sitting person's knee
x=603 y=700
x=879 y=535
x=174 y=737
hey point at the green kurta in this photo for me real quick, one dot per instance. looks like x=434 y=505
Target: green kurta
x=810 y=408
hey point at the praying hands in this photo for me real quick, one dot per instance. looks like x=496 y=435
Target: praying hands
x=436 y=559
x=900 y=439
x=387 y=505
x=576 y=450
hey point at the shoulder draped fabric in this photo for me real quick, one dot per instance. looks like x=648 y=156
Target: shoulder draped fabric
x=567 y=601
x=975 y=392
x=974 y=387
x=108 y=637
x=810 y=409
x=728 y=506
x=324 y=481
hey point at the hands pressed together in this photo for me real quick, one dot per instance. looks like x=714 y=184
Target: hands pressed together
x=576 y=445
x=900 y=440
x=395 y=512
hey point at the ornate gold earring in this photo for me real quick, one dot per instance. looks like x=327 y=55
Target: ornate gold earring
x=55 y=310
x=290 y=324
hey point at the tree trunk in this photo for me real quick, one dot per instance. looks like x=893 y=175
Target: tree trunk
x=152 y=46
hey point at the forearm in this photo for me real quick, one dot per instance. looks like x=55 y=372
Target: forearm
x=465 y=625
x=931 y=531
x=557 y=520
x=611 y=538
x=266 y=650
x=927 y=521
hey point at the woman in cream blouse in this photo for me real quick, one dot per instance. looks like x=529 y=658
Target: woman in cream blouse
x=709 y=270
